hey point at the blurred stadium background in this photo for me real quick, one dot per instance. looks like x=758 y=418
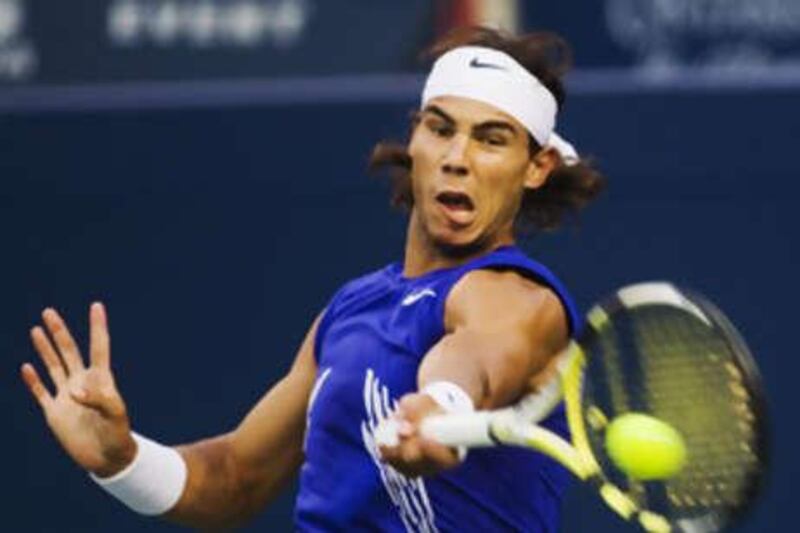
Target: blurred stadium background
x=199 y=165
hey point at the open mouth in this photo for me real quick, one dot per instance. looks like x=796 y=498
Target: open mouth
x=457 y=207
x=455 y=201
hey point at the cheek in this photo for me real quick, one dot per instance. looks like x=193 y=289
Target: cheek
x=420 y=146
x=413 y=146
x=502 y=176
x=423 y=162
x=504 y=181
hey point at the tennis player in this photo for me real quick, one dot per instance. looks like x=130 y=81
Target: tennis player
x=464 y=321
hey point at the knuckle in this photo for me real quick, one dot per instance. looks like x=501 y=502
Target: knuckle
x=391 y=460
x=116 y=409
x=410 y=403
x=103 y=395
x=109 y=397
x=411 y=454
x=411 y=398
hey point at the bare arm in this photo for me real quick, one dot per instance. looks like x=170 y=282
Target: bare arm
x=502 y=330
x=229 y=478
x=502 y=333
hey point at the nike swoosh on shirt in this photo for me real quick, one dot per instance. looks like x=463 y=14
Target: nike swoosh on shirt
x=416 y=296
x=476 y=63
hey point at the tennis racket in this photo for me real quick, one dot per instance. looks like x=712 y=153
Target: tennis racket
x=656 y=349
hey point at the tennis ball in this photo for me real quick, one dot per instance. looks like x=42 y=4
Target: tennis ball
x=644 y=447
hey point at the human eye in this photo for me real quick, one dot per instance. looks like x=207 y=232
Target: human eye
x=439 y=127
x=493 y=138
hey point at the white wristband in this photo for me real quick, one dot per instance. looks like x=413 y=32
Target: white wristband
x=449 y=396
x=453 y=399
x=154 y=481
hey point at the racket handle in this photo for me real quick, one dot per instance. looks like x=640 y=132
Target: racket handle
x=537 y=406
x=462 y=429
x=459 y=429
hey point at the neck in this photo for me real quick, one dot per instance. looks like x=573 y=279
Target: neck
x=422 y=255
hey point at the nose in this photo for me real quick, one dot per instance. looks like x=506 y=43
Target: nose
x=455 y=158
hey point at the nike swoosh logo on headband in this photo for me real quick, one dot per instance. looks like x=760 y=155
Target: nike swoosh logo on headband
x=475 y=63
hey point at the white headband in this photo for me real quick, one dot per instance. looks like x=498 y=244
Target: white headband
x=494 y=77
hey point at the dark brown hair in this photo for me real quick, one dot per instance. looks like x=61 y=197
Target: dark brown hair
x=568 y=188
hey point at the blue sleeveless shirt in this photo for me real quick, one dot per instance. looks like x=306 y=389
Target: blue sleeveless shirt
x=369 y=344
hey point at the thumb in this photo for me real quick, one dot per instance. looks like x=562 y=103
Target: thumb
x=417 y=406
x=103 y=399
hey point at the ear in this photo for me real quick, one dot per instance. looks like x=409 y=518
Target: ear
x=540 y=167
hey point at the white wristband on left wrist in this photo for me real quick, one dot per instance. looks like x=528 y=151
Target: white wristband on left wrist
x=154 y=481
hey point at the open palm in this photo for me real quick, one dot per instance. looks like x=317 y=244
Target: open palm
x=86 y=414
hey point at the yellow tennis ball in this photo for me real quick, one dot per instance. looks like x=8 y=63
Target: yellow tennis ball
x=645 y=447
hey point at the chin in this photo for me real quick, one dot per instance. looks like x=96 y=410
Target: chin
x=458 y=248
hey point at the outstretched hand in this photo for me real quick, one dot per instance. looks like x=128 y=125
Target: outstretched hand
x=86 y=414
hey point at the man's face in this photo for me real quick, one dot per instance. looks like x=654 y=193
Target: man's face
x=470 y=166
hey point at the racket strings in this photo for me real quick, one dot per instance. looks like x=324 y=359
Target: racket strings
x=676 y=367
x=691 y=382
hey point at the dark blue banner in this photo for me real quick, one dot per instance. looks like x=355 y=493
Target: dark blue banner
x=664 y=34
x=91 y=41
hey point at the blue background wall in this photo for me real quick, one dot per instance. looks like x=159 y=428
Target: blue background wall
x=215 y=236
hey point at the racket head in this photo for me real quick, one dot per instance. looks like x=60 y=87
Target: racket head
x=668 y=352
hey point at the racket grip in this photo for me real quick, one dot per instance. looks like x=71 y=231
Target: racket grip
x=537 y=406
x=459 y=429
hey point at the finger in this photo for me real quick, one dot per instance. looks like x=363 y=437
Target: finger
x=406 y=403
x=93 y=399
x=99 y=340
x=417 y=406
x=442 y=456
x=389 y=454
x=406 y=429
x=393 y=455
x=35 y=385
x=97 y=392
x=410 y=451
x=63 y=340
x=55 y=368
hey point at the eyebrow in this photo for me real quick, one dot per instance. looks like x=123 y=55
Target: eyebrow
x=482 y=127
x=436 y=110
x=495 y=124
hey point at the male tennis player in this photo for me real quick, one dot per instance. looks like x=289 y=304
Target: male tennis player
x=465 y=321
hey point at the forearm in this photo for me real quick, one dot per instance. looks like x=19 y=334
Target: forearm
x=502 y=332
x=234 y=476
x=490 y=371
x=219 y=493
x=212 y=498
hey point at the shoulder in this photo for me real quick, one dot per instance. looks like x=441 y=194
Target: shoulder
x=481 y=289
x=519 y=268
x=502 y=300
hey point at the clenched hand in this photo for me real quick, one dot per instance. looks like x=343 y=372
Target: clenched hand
x=414 y=455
